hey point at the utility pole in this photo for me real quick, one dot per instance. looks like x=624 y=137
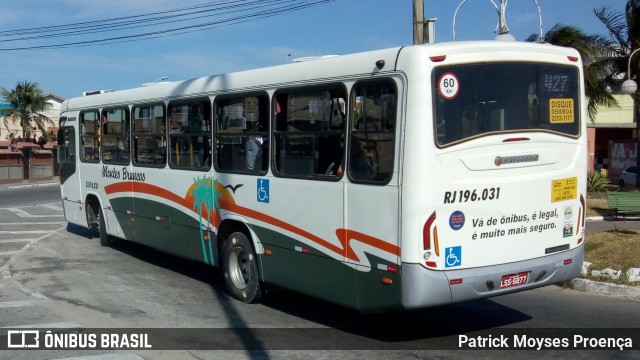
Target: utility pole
x=418 y=22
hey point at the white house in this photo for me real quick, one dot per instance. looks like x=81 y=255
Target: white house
x=52 y=113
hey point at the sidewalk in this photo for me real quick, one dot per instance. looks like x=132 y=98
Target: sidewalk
x=598 y=224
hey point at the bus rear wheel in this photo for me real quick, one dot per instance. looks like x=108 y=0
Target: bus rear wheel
x=241 y=268
x=105 y=239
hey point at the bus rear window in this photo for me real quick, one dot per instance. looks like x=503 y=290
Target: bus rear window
x=481 y=99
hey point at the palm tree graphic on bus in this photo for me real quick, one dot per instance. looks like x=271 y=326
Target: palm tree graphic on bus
x=205 y=198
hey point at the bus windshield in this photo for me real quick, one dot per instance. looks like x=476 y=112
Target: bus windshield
x=479 y=99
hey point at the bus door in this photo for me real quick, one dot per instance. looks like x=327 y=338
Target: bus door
x=116 y=156
x=69 y=173
x=372 y=199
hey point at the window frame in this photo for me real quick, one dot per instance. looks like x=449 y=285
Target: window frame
x=540 y=104
x=154 y=136
x=207 y=116
x=126 y=122
x=352 y=121
x=218 y=134
x=94 y=135
x=328 y=135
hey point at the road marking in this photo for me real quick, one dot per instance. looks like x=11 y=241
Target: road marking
x=51 y=206
x=36 y=223
x=29 y=291
x=6 y=241
x=19 y=212
x=22 y=303
x=61 y=325
x=24 y=214
x=4 y=269
x=16 y=232
x=9 y=253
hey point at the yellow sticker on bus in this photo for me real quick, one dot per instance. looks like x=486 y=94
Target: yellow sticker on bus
x=564 y=189
x=561 y=111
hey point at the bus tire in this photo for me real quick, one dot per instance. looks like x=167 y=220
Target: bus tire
x=105 y=239
x=241 y=268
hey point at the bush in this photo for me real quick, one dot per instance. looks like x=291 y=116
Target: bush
x=597 y=182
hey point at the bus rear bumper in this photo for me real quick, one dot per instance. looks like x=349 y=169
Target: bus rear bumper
x=422 y=287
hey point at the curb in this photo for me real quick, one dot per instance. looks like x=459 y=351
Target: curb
x=23 y=186
x=595 y=287
x=612 y=218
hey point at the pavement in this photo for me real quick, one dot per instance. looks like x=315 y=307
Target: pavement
x=598 y=224
x=593 y=225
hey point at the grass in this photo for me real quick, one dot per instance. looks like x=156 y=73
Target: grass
x=597 y=204
x=617 y=250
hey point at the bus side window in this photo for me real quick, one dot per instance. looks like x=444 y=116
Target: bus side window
x=90 y=136
x=309 y=132
x=115 y=136
x=241 y=136
x=371 y=155
x=149 y=145
x=190 y=135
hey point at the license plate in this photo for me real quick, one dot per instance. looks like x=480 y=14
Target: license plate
x=514 y=280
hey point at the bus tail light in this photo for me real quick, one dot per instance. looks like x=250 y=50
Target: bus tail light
x=430 y=241
x=581 y=218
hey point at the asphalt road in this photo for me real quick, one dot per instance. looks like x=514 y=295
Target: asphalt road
x=58 y=276
x=16 y=195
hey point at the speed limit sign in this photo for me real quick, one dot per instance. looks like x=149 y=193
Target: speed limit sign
x=448 y=85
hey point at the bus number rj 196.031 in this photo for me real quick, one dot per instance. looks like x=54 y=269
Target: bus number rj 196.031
x=461 y=196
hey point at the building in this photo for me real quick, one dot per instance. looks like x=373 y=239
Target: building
x=14 y=130
x=613 y=138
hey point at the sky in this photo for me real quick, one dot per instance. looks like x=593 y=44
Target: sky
x=328 y=28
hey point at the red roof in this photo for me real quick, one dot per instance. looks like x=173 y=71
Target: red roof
x=24 y=144
x=4 y=143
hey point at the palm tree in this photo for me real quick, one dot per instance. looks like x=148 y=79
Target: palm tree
x=624 y=30
x=27 y=102
x=205 y=197
x=596 y=52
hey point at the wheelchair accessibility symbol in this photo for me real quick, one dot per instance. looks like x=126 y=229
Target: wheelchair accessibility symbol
x=263 y=190
x=454 y=256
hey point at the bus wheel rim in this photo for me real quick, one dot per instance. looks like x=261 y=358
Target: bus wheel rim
x=239 y=268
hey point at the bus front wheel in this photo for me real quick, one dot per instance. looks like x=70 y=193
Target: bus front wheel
x=241 y=268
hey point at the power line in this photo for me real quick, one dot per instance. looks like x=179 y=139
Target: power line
x=264 y=9
x=134 y=20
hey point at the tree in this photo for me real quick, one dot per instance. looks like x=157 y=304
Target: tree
x=27 y=102
x=624 y=30
x=596 y=52
x=205 y=198
x=605 y=57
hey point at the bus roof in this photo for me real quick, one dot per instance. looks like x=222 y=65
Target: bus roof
x=297 y=73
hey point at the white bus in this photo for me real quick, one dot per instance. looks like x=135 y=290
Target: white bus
x=391 y=179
